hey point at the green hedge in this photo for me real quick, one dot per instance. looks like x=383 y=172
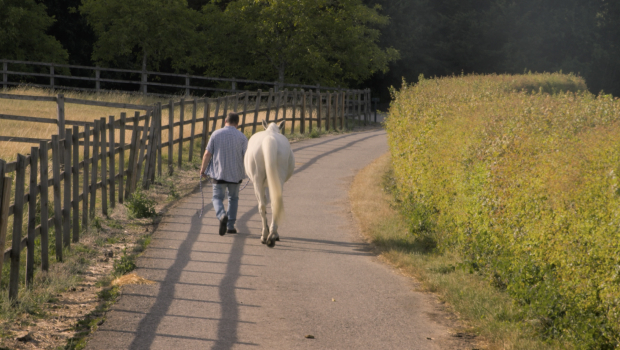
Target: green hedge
x=520 y=175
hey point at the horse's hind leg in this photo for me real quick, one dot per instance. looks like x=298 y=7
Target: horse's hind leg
x=259 y=191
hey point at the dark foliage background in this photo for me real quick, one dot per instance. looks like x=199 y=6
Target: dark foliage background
x=434 y=38
x=445 y=37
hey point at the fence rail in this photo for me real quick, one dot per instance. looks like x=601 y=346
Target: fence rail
x=93 y=76
x=104 y=173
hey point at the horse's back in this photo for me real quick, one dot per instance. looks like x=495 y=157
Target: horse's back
x=255 y=156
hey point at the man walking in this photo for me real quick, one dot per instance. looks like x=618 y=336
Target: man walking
x=226 y=148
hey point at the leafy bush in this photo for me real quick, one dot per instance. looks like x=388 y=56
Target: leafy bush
x=140 y=205
x=520 y=175
x=125 y=264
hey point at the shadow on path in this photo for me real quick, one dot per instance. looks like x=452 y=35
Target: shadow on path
x=228 y=322
x=146 y=332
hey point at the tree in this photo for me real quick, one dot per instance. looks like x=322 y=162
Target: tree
x=145 y=31
x=23 y=26
x=71 y=29
x=297 y=41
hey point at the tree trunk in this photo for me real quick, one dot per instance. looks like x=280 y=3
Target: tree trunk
x=144 y=61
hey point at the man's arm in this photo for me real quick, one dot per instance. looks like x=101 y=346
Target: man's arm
x=205 y=161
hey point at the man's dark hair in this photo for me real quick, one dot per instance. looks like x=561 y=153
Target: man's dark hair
x=233 y=118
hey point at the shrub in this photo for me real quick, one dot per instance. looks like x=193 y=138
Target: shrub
x=520 y=175
x=140 y=205
x=125 y=264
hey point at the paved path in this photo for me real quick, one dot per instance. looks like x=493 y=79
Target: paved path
x=232 y=292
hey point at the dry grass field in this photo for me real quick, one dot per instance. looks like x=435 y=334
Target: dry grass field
x=9 y=150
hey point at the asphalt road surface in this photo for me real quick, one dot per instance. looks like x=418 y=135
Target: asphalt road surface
x=321 y=279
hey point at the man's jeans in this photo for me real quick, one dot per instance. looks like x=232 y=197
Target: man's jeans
x=219 y=191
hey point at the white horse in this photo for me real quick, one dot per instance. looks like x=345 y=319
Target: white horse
x=269 y=162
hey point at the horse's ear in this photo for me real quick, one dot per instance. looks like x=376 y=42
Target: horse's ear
x=265 y=124
x=281 y=125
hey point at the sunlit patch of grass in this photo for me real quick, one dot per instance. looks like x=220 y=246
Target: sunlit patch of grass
x=487 y=312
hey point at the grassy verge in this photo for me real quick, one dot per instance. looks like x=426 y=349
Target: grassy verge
x=489 y=312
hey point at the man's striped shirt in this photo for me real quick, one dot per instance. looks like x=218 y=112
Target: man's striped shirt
x=228 y=146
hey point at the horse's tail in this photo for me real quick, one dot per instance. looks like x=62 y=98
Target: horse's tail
x=270 y=152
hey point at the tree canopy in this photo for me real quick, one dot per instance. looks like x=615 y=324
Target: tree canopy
x=297 y=41
x=444 y=37
x=143 y=32
x=23 y=26
x=351 y=43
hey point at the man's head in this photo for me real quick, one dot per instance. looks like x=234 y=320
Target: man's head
x=232 y=119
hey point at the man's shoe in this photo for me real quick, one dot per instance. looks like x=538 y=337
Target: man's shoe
x=231 y=230
x=223 y=222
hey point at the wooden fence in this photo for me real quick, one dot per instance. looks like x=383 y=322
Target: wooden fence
x=87 y=162
x=49 y=74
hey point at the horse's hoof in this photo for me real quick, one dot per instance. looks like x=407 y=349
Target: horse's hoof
x=263 y=242
x=278 y=239
x=271 y=243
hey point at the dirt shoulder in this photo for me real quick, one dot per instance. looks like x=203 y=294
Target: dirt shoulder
x=63 y=319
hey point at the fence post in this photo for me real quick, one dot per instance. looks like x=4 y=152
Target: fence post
x=5 y=75
x=94 y=170
x=368 y=101
x=245 y=110
x=66 y=210
x=193 y=131
x=104 y=166
x=148 y=165
x=52 y=77
x=186 y=85
x=133 y=153
x=225 y=111
x=44 y=192
x=234 y=85
x=342 y=98
x=60 y=102
x=97 y=79
x=32 y=212
x=284 y=110
x=75 y=171
x=258 y=98
x=143 y=82
x=18 y=215
x=121 y=157
x=319 y=106
x=142 y=146
x=112 y=151
x=269 y=105
x=328 y=107
x=160 y=133
x=182 y=122
x=205 y=127
x=156 y=134
x=85 y=177
x=217 y=111
x=358 y=105
x=278 y=104
x=302 y=122
x=294 y=111
x=4 y=213
x=170 y=136
x=57 y=203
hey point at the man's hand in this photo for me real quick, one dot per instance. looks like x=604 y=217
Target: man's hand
x=205 y=161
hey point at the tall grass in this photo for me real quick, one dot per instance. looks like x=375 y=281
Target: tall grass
x=518 y=174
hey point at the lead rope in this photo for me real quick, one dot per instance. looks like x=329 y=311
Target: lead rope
x=203 y=195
